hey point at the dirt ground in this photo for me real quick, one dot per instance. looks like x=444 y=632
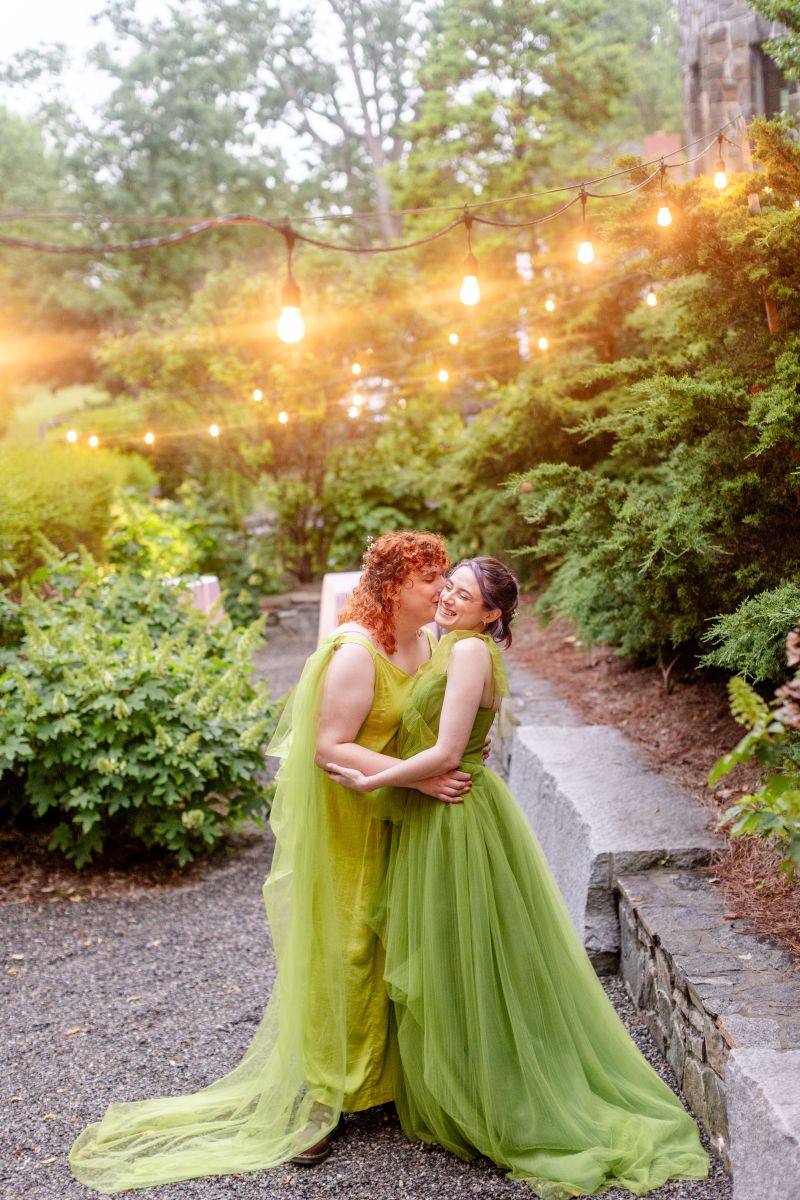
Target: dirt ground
x=681 y=732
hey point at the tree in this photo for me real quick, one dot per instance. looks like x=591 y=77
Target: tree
x=785 y=49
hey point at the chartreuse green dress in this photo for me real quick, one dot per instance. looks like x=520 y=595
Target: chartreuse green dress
x=508 y=1045
x=325 y=1043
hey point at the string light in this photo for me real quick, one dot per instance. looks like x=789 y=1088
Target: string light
x=651 y=298
x=443 y=376
x=72 y=435
x=356 y=368
x=149 y=438
x=543 y=343
x=358 y=399
x=585 y=247
x=353 y=411
x=550 y=303
x=214 y=430
x=453 y=339
x=664 y=216
x=258 y=394
x=283 y=417
x=470 y=292
x=720 y=174
x=94 y=441
x=291 y=326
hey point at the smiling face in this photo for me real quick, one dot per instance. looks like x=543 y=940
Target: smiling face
x=461 y=605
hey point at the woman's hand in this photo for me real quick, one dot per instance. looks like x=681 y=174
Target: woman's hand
x=348 y=777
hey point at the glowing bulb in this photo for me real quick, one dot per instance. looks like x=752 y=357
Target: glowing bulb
x=470 y=292
x=796 y=203
x=214 y=430
x=94 y=441
x=543 y=343
x=353 y=411
x=149 y=438
x=664 y=217
x=258 y=394
x=720 y=176
x=358 y=399
x=72 y=435
x=443 y=376
x=283 y=417
x=453 y=339
x=356 y=368
x=291 y=326
x=401 y=403
x=651 y=298
x=550 y=304
x=585 y=252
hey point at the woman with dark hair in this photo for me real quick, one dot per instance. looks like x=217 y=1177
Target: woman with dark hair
x=508 y=1045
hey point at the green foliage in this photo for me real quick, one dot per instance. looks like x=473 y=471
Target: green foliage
x=690 y=510
x=786 y=48
x=65 y=494
x=751 y=639
x=123 y=714
x=773 y=810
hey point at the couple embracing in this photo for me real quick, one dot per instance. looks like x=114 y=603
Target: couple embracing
x=424 y=952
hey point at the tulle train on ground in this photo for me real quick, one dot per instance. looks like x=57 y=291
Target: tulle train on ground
x=508 y=1045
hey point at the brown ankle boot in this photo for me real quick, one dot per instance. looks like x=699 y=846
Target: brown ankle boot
x=320 y=1150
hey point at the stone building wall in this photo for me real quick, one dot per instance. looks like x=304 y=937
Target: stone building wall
x=725 y=71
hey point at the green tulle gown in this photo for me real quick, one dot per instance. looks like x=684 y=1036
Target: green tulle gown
x=508 y=1044
x=325 y=1042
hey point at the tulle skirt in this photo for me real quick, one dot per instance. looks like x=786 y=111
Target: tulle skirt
x=508 y=1044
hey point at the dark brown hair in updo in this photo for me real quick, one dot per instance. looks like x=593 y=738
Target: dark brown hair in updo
x=499 y=589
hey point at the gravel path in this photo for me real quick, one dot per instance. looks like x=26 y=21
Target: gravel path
x=158 y=993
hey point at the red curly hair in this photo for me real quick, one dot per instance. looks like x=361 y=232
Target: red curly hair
x=387 y=564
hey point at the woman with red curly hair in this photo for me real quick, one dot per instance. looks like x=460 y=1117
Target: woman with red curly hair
x=325 y=1043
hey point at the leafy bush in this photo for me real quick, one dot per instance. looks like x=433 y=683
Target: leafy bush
x=123 y=714
x=772 y=739
x=195 y=533
x=65 y=493
x=751 y=639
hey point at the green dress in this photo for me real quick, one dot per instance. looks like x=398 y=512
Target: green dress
x=508 y=1045
x=325 y=1043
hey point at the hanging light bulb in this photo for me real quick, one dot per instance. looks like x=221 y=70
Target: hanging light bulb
x=443 y=376
x=291 y=326
x=543 y=343
x=550 y=303
x=149 y=438
x=258 y=394
x=651 y=298
x=664 y=216
x=356 y=368
x=72 y=435
x=720 y=174
x=283 y=417
x=214 y=430
x=358 y=399
x=401 y=403
x=94 y=441
x=585 y=247
x=453 y=339
x=353 y=411
x=470 y=292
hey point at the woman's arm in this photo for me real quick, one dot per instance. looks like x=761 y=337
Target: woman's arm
x=347 y=698
x=466 y=677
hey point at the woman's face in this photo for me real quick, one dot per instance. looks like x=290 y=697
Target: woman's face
x=420 y=594
x=461 y=604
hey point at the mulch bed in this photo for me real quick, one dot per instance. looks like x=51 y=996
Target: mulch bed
x=681 y=732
